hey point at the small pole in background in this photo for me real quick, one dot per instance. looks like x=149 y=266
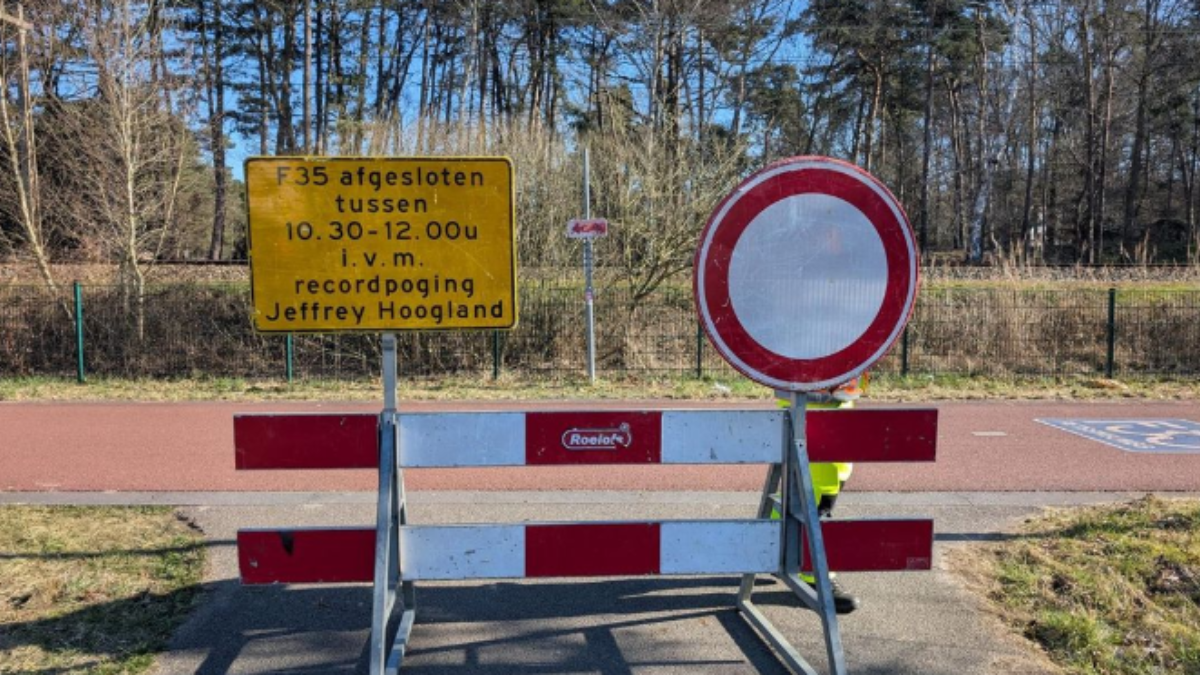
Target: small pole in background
x=699 y=351
x=495 y=355
x=80 y=373
x=390 y=372
x=904 y=352
x=289 y=356
x=587 y=268
x=1112 y=333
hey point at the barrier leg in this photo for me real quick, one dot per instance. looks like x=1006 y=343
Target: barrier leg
x=792 y=478
x=386 y=546
x=800 y=508
x=408 y=592
x=387 y=648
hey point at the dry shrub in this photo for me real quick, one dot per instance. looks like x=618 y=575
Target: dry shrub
x=205 y=329
x=189 y=330
x=998 y=331
x=1158 y=331
x=35 y=337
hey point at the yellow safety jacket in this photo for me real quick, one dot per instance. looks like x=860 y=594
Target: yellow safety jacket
x=827 y=477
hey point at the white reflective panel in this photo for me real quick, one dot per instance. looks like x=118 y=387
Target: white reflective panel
x=721 y=436
x=462 y=552
x=808 y=276
x=719 y=547
x=462 y=439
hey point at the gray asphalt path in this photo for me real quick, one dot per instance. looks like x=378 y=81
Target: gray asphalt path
x=920 y=623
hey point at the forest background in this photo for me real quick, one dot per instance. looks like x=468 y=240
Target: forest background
x=1015 y=132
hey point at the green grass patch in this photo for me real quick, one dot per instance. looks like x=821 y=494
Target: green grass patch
x=93 y=589
x=884 y=388
x=1112 y=590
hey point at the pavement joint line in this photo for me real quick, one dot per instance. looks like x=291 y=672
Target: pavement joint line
x=250 y=499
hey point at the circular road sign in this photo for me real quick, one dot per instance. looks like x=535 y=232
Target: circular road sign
x=806 y=274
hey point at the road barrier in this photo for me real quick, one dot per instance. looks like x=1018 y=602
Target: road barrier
x=395 y=554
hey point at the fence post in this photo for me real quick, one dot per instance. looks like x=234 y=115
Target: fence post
x=699 y=351
x=289 y=350
x=80 y=374
x=495 y=355
x=1112 y=332
x=904 y=352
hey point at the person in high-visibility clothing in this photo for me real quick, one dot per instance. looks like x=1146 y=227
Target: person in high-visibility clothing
x=830 y=478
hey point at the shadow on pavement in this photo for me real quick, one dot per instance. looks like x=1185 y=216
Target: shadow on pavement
x=609 y=627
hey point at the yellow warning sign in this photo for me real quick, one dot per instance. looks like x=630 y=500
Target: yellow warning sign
x=381 y=244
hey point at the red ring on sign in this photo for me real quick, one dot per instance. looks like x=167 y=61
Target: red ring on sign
x=864 y=193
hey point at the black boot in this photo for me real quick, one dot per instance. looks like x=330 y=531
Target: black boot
x=844 y=601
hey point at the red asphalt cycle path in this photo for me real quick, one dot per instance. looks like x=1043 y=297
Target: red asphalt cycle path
x=982 y=446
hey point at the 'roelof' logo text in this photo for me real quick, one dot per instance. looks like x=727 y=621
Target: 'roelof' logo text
x=597 y=439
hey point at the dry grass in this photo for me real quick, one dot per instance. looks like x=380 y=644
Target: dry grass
x=1083 y=388
x=993 y=329
x=884 y=389
x=93 y=589
x=1112 y=590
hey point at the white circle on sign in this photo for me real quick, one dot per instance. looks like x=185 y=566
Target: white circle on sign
x=808 y=276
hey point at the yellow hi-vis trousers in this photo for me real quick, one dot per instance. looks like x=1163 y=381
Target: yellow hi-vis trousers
x=827 y=477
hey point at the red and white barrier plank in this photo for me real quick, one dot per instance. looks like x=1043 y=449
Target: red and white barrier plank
x=574 y=438
x=430 y=440
x=429 y=552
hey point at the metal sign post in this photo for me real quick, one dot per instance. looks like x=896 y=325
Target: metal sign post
x=388 y=646
x=790 y=479
x=587 y=229
x=588 y=292
x=800 y=509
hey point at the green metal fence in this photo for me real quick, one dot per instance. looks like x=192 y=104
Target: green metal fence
x=184 y=330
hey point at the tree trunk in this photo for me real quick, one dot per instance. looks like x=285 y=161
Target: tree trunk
x=1105 y=135
x=872 y=117
x=1089 y=185
x=1031 y=145
x=926 y=147
x=1141 y=124
x=859 y=121
x=426 y=76
x=264 y=110
x=360 y=93
x=285 y=137
x=213 y=55
x=961 y=159
x=320 y=90
x=991 y=149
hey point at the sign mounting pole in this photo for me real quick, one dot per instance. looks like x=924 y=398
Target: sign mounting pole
x=588 y=293
x=800 y=507
x=389 y=372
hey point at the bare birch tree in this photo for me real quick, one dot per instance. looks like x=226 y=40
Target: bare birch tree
x=131 y=142
x=23 y=203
